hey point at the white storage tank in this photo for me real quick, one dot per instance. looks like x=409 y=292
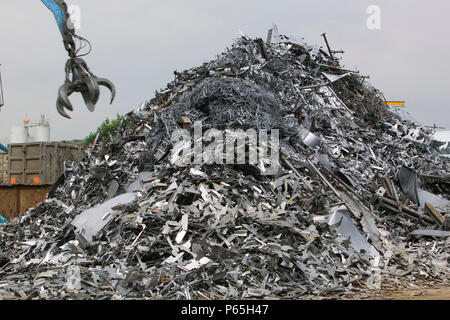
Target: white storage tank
x=18 y=134
x=43 y=132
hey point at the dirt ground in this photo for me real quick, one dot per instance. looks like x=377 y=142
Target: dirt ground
x=435 y=293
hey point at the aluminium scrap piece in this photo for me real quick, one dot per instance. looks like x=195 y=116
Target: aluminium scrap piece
x=215 y=231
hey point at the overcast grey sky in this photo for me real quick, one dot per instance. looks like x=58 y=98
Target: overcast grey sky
x=139 y=43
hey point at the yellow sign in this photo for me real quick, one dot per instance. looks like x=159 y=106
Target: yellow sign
x=396 y=103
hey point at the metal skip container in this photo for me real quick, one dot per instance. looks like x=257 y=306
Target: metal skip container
x=40 y=162
x=3 y=168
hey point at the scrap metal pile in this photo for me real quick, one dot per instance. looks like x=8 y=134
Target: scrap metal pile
x=358 y=201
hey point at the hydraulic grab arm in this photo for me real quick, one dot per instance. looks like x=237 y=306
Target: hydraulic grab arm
x=79 y=77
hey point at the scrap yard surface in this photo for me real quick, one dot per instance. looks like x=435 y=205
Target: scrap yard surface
x=331 y=195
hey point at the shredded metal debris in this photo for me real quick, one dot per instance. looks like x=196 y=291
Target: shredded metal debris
x=357 y=196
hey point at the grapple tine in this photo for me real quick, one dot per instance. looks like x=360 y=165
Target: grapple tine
x=60 y=108
x=92 y=93
x=63 y=95
x=108 y=84
x=87 y=101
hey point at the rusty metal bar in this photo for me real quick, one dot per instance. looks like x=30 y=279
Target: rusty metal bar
x=406 y=209
x=434 y=214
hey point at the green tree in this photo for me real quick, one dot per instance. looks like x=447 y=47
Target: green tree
x=107 y=128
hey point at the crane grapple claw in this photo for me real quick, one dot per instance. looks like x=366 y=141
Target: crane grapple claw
x=83 y=81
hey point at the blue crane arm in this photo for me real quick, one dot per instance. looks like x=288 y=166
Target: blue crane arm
x=2 y=147
x=57 y=7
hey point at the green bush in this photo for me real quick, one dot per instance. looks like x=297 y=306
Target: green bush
x=107 y=128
